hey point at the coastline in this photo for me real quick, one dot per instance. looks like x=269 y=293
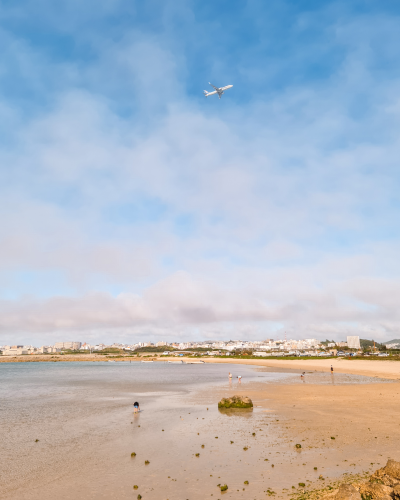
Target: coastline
x=371 y=368
x=346 y=430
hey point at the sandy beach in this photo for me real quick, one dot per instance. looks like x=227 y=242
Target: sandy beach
x=347 y=426
x=371 y=368
x=342 y=429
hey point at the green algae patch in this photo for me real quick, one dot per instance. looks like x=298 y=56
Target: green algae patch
x=133 y=454
x=224 y=487
x=236 y=402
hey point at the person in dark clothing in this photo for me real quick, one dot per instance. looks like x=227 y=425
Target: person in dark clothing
x=331 y=369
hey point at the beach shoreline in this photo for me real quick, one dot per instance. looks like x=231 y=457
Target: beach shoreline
x=372 y=368
x=345 y=426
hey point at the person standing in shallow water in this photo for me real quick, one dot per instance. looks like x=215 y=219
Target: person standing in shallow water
x=230 y=376
x=331 y=368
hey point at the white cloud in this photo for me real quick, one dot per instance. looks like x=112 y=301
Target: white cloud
x=291 y=201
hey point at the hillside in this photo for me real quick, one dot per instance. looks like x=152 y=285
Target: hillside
x=395 y=341
x=365 y=343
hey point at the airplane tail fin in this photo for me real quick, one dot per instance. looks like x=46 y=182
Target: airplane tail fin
x=205 y=93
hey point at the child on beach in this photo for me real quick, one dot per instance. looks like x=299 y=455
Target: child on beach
x=136 y=407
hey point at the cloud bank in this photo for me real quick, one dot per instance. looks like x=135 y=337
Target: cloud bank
x=132 y=207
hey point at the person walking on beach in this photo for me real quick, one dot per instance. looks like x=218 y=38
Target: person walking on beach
x=331 y=368
x=240 y=379
x=136 y=407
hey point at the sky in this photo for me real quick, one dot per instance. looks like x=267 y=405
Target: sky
x=134 y=209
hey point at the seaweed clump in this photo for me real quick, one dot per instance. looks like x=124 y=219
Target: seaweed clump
x=236 y=402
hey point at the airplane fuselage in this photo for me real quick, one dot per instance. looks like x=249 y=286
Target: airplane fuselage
x=218 y=90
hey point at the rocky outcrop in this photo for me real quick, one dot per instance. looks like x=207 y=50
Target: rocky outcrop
x=384 y=484
x=236 y=402
x=396 y=492
x=347 y=492
x=392 y=469
x=388 y=475
x=376 y=491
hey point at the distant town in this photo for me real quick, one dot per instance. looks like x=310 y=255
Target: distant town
x=269 y=347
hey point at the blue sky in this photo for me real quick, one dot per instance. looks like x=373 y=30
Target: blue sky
x=133 y=208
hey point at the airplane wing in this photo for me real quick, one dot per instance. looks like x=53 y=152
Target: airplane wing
x=216 y=88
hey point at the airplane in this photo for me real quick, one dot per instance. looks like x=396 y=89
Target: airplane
x=218 y=90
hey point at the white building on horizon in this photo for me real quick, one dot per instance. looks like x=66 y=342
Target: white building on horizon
x=74 y=346
x=353 y=342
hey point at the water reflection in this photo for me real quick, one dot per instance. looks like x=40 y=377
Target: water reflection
x=236 y=412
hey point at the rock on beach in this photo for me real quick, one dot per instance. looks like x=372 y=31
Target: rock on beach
x=383 y=484
x=376 y=490
x=236 y=402
x=388 y=475
x=347 y=492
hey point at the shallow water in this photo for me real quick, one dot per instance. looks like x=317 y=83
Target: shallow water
x=81 y=414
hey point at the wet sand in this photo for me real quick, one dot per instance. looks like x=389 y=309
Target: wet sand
x=368 y=367
x=363 y=419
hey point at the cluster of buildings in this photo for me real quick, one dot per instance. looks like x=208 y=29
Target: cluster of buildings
x=18 y=350
x=265 y=346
